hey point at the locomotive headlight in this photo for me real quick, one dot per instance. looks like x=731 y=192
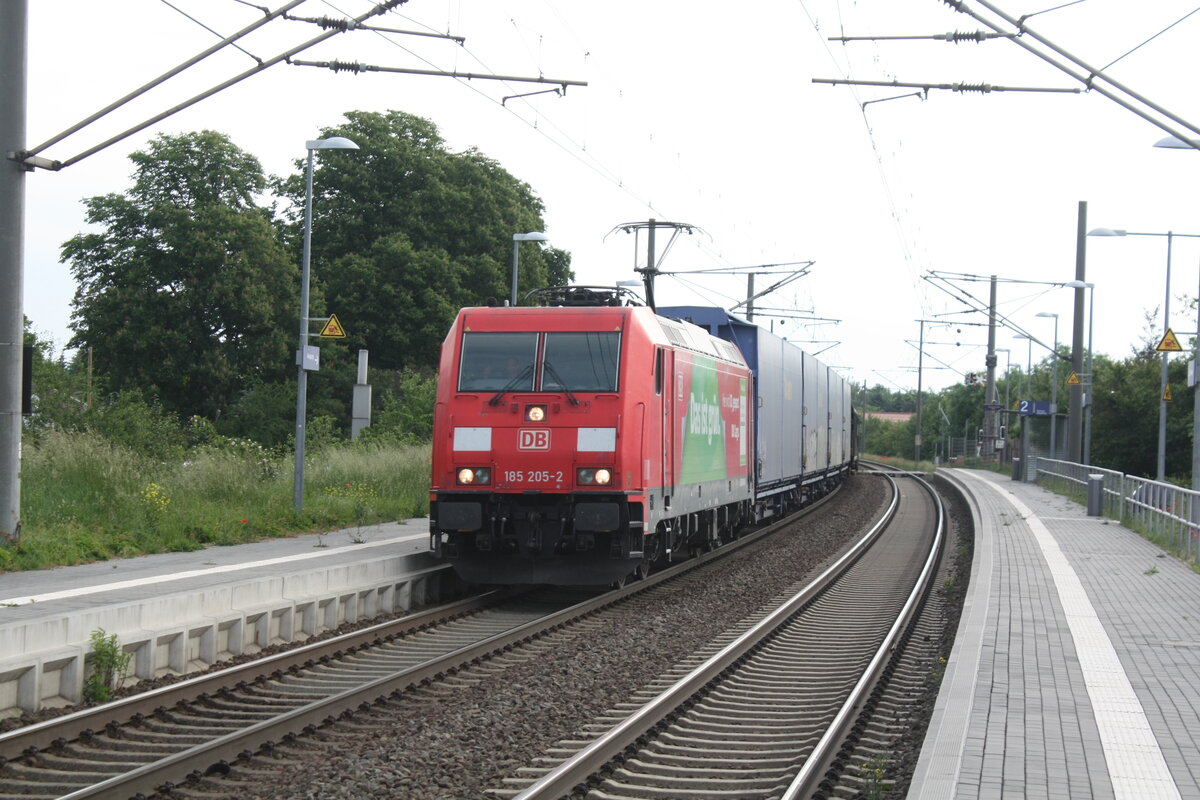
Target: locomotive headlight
x=589 y=476
x=474 y=476
x=535 y=413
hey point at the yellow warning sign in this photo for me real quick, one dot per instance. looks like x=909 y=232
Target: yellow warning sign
x=1073 y=380
x=1169 y=343
x=1167 y=393
x=333 y=329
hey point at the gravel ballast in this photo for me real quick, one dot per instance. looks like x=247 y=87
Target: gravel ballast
x=505 y=713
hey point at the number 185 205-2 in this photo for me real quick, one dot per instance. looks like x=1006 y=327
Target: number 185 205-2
x=533 y=476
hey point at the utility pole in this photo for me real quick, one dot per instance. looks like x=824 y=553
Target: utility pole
x=920 y=368
x=14 y=21
x=651 y=267
x=1075 y=412
x=989 y=411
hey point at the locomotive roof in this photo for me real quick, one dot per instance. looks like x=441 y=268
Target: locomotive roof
x=659 y=330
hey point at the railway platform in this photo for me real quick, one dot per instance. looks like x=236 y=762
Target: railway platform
x=181 y=612
x=1076 y=668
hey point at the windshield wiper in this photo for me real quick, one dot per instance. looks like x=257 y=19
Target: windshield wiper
x=508 y=387
x=554 y=374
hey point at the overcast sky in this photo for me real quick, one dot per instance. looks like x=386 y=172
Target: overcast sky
x=706 y=113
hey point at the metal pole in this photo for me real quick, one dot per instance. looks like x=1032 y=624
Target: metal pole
x=1025 y=456
x=1007 y=379
x=1028 y=368
x=1091 y=383
x=512 y=297
x=1196 y=403
x=302 y=374
x=1054 y=397
x=651 y=268
x=1162 y=401
x=1075 y=394
x=920 y=366
x=14 y=17
x=989 y=414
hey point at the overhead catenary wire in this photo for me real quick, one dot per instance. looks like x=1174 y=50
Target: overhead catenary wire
x=189 y=17
x=1090 y=77
x=376 y=10
x=906 y=244
x=1130 y=52
x=981 y=88
x=270 y=16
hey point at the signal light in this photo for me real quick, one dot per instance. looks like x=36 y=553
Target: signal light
x=474 y=476
x=535 y=413
x=589 y=476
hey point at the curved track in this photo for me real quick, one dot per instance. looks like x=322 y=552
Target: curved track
x=765 y=714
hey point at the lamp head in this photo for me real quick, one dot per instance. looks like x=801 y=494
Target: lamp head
x=1175 y=143
x=1078 y=285
x=332 y=143
x=1046 y=314
x=532 y=236
x=1106 y=232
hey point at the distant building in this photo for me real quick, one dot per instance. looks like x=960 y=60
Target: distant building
x=891 y=416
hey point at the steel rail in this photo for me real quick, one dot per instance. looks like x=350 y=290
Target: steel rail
x=70 y=726
x=566 y=776
x=149 y=777
x=815 y=766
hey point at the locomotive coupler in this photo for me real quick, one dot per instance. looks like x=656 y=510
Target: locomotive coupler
x=535 y=532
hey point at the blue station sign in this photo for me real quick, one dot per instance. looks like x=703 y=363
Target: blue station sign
x=1033 y=408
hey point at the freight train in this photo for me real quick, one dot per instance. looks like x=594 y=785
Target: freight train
x=585 y=441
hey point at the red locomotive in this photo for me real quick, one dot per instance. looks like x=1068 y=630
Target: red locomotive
x=580 y=445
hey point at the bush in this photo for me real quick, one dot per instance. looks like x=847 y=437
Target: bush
x=406 y=416
x=109 y=663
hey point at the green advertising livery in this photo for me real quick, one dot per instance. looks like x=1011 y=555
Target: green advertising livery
x=713 y=425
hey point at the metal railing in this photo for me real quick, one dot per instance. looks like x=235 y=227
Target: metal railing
x=1167 y=513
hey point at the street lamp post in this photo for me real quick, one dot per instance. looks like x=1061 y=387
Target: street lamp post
x=1162 y=403
x=532 y=236
x=1028 y=364
x=1007 y=377
x=1053 y=388
x=1175 y=143
x=332 y=143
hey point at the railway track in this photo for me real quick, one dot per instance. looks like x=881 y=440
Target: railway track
x=765 y=713
x=198 y=726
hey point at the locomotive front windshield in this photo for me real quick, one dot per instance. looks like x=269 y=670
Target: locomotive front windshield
x=580 y=362
x=493 y=362
x=509 y=362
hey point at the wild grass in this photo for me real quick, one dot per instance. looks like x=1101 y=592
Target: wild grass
x=901 y=463
x=85 y=499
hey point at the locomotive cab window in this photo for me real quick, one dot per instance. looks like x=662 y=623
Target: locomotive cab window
x=493 y=362
x=581 y=362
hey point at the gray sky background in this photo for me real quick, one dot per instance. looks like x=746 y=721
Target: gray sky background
x=705 y=113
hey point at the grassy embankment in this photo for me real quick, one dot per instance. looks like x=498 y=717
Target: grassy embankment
x=85 y=499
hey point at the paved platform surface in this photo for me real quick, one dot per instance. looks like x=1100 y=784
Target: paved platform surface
x=1076 y=669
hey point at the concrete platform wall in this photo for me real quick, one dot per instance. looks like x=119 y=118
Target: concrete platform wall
x=44 y=662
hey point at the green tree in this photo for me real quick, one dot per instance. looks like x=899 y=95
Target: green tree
x=406 y=232
x=186 y=292
x=1125 y=416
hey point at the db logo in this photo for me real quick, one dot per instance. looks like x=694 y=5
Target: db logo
x=533 y=440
